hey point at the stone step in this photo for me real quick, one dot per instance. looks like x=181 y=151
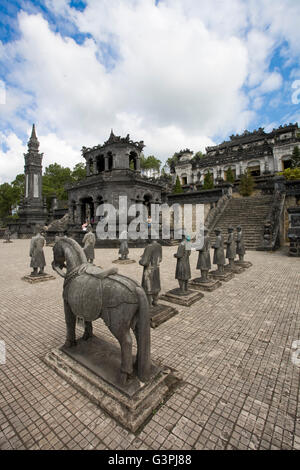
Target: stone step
x=250 y=213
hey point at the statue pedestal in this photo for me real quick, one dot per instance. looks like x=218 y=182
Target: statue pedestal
x=174 y=296
x=39 y=278
x=123 y=261
x=93 y=368
x=243 y=264
x=161 y=313
x=236 y=269
x=225 y=276
x=208 y=286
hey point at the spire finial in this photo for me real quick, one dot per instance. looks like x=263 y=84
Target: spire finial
x=33 y=134
x=33 y=143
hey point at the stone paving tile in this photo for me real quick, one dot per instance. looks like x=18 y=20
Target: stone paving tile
x=240 y=389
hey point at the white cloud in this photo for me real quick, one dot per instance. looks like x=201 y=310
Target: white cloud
x=11 y=160
x=175 y=79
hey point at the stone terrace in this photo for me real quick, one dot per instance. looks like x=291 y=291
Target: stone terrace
x=233 y=349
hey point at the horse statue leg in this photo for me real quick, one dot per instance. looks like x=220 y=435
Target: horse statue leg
x=70 y=324
x=88 y=330
x=120 y=327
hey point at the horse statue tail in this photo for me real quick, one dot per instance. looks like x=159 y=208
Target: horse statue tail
x=143 y=337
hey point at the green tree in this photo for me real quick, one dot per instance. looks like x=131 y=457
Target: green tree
x=198 y=155
x=79 y=172
x=54 y=180
x=177 y=188
x=230 y=175
x=172 y=161
x=295 y=157
x=19 y=186
x=208 y=182
x=150 y=163
x=8 y=197
x=246 y=184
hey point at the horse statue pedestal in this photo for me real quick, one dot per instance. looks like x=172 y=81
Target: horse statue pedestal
x=127 y=386
x=187 y=299
x=93 y=368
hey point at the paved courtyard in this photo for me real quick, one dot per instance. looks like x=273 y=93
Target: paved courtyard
x=233 y=350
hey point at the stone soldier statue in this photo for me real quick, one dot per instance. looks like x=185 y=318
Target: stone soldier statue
x=151 y=260
x=183 y=269
x=240 y=246
x=37 y=253
x=230 y=250
x=219 y=258
x=7 y=235
x=204 y=263
x=89 y=241
x=123 y=250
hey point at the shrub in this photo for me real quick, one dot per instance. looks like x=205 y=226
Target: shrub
x=177 y=188
x=208 y=181
x=246 y=184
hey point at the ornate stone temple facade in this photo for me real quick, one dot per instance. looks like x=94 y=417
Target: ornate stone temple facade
x=112 y=170
x=262 y=152
x=32 y=210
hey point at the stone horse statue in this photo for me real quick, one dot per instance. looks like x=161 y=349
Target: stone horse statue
x=91 y=293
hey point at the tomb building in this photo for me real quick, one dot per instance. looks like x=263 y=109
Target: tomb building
x=263 y=153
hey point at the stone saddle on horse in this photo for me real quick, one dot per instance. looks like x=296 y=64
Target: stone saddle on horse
x=91 y=293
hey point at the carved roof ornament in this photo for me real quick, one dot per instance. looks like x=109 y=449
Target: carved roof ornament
x=115 y=139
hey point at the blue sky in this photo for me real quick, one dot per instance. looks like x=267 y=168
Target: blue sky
x=174 y=73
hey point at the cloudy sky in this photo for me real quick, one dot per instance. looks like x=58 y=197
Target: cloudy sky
x=174 y=73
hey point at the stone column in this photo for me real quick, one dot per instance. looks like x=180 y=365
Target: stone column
x=78 y=213
x=96 y=204
x=87 y=168
x=70 y=213
x=267 y=166
x=138 y=164
x=106 y=163
x=95 y=170
x=261 y=166
x=113 y=161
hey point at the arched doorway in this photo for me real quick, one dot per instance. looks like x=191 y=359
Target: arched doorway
x=286 y=162
x=147 y=202
x=254 y=168
x=100 y=163
x=110 y=160
x=87 y=210
x=132 y=161
x=184 y=180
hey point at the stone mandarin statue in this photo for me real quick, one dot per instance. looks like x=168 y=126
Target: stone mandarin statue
x=151 y=260
x=123 y=250
x=89 y=241
x=240 y=245
x=230 y=250
x=7 y=235
x=204 y=263
x=183 y=269
x=219 y=258
x=37 y=253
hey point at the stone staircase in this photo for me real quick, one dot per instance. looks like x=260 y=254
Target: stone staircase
x=248 y=212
